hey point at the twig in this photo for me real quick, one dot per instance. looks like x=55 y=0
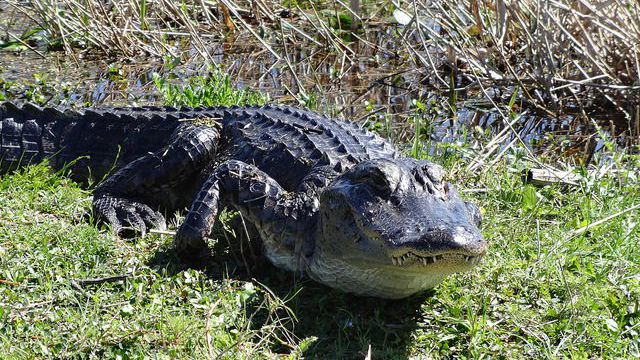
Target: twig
x=35 y=305
x=25 y=44
x=162 y=232
x=102 y=280
x=304 y=35
x=77 y=286
x=544 y=177
x=583 y=229
x=9 y=282
x=474 y=191
x=294 y=76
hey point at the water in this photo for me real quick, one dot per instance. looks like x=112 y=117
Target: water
x=378 y=86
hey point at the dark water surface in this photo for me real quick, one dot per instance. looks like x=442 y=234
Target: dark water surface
x=374 y=86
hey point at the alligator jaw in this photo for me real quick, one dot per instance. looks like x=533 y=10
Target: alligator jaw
x=410 y=259
x=415 y=258
x=459 y=254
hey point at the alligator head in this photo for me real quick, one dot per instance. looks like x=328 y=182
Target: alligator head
x=393 y=228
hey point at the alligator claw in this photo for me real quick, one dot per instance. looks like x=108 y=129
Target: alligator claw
x=127 y=218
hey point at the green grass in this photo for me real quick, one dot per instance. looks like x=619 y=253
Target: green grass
x=47 y=248
x=211 y=90
x=539 y=293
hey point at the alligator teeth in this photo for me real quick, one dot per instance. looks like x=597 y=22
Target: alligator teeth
x=402 y=259
x=428 y=260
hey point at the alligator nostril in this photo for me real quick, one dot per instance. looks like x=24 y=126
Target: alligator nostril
x=468 y=241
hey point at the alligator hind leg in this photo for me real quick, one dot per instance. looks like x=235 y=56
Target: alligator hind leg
x=127 y=199
x=258 y=197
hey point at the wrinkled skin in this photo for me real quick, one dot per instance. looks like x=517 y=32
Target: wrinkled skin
x=326 y=197
x=396 y=228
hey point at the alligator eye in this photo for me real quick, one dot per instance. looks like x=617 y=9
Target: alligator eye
x=375 y=179
x=431 y=177
x=380 y=176
x=434 y=172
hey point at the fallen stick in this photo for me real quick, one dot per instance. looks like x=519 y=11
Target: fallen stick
x=162 y=232
x=108 y=279
x=544 y=177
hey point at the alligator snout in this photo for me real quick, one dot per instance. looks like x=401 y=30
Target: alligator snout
x=457 y=240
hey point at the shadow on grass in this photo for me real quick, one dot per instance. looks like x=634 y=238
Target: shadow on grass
x=347 y=325
x=344 y=325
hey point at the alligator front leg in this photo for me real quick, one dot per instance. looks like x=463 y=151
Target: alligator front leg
x=261 y=201
x=128 y=199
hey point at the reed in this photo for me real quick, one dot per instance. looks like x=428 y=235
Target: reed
x=565 y=47
x=556 y=58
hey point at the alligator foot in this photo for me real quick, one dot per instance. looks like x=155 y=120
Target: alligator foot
x=192 y=248
x=252 y=192
x=189 y=241
x=127 y=218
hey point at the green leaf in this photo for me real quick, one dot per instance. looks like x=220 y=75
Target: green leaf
x=529 y=198
x=13 y=46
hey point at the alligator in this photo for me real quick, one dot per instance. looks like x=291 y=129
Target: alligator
x=327 y=197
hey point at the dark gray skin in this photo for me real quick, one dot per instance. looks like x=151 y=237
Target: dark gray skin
x=327 y=197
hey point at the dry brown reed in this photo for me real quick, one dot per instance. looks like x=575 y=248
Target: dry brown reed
x=556 y=45
x=562 y=57
x=555 y=52
x=580 y=57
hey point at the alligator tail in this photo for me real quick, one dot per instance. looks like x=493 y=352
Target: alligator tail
x=28 y=134
x=89 y=142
